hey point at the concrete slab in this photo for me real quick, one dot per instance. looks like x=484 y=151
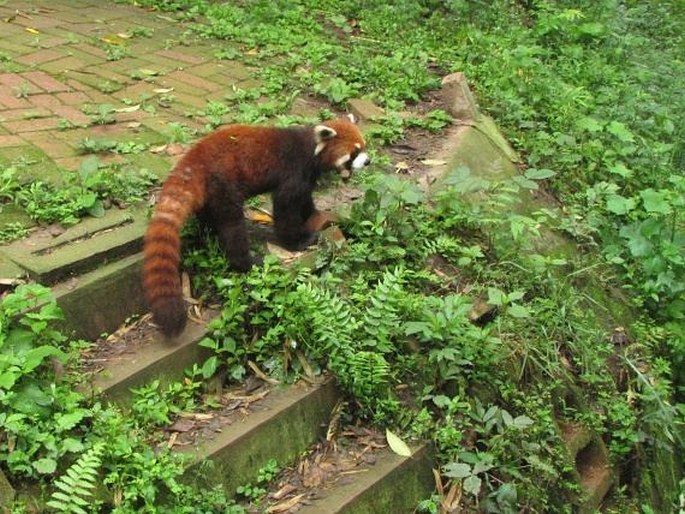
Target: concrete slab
x=151 y=359
x=280 y=427
x=99 y=301
x=92 y=242
x=394 y=484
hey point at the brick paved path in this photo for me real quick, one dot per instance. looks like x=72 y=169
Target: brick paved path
x=62 y=62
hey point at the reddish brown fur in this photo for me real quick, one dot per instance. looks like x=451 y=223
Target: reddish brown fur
x=215 y=177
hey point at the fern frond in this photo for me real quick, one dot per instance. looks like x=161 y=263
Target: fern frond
x=77 y=483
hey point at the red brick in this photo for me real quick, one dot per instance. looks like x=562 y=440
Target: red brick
x=19 y=83
x=45 y=81
x=44 y=100
x=92 y=50
x=11 y=140
x=69 y=163
x=64 y=64
x=36 y=125
x=24 y=114
x=10 y=100
x=73 y=98
x=180 y=56
x=53 y=147
x=39 y=57
x=194 y=81
x=71 y=114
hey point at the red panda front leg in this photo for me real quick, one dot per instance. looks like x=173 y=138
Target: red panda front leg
x=292 y=208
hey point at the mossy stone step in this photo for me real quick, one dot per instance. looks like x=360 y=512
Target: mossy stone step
x=83 y=247
x=151 y=359
x=393 y=484
x=281 y=426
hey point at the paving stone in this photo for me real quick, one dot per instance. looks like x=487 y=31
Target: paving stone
x=71 y=114
x=179 y=56
x=10 y=140
x=23 y=114
x=50 y=144
x=43 y=100
x=63 y=65
x=19 y=84
x=20 y=126
x=73 y=98
x=9 y=100
x=40 y=56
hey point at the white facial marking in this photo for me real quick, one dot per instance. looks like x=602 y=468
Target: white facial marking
x=360 y=161
x=319 y=148
x=342 y=160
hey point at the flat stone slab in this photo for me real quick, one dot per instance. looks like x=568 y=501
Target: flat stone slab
x=150 y=359
x=93 y=241
x=394 y=484
x=281 y=426
x=99 y=301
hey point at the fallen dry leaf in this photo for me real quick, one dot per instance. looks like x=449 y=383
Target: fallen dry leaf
x=285 y=505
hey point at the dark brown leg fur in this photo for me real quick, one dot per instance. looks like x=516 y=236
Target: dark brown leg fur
x=224 y=213
x=292 y=207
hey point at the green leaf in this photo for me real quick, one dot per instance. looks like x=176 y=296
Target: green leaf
x=495 y=296
x=535 y=174
x=522 y=421
x=618 y=204
x=618 y=168
x=458 y=470
x=210 y=366
x=97 y=209
x=472 y=485
x=397 y=445
x=590 y=124
x=656 y=201
x=620 y=131
x=45 y=466
x=518 y=311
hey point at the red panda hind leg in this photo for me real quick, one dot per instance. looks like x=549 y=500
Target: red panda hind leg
x=223 y=212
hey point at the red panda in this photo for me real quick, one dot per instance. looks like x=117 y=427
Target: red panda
x=213 y=180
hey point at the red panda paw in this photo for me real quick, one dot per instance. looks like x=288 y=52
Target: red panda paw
x=320 y=220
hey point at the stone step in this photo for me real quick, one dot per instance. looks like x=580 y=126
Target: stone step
x=148 y=358
x=48 y=258
x=280 y=426
x=393 y=484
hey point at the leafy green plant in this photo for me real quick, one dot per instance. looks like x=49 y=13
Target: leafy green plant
x=75 y=487
x=37 y=414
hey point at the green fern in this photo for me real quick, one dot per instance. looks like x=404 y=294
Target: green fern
x=381 y=321
x=77 y=484
x=370 y=372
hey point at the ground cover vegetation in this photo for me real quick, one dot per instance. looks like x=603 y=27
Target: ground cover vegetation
x=590 y=94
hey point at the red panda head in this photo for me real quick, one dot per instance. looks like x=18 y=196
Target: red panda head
x=340 y=146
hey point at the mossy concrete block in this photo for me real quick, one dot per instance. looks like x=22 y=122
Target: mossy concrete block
x=282 y=426
x=92 y=242
x=364 y=109
x=394 y=484
x=477 y=148
x=161 y=359
x=7 y=492
x=10 y=270
x=457 y=97
x=99 y=301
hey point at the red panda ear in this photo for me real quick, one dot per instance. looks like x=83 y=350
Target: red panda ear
x=324 y=133
x=352 y=118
